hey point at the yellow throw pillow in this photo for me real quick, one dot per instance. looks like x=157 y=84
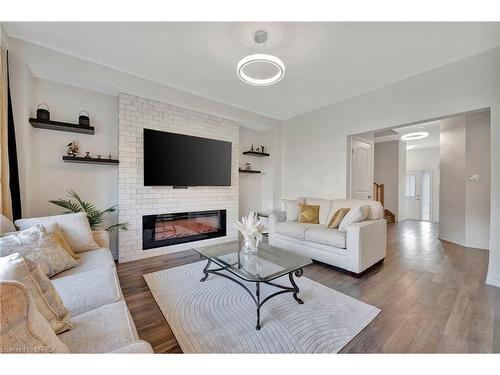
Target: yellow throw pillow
x=308 y=214
x=54 y=230
x=337 y=218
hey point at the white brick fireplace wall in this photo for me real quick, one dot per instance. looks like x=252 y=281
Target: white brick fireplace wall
x=136 y=200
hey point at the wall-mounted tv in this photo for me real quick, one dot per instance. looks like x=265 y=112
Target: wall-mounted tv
x=172 y=159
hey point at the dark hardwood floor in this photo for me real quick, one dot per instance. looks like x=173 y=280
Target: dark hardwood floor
x=431 y=293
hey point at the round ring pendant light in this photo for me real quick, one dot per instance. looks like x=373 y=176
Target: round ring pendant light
x=274 y=64
x=414 y=136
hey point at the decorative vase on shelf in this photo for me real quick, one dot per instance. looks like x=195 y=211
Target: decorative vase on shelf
x=251 y=228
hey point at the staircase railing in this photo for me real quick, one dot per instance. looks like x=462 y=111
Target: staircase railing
x=378 y=192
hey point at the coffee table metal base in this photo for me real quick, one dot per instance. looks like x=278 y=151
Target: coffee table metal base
x=256 y=298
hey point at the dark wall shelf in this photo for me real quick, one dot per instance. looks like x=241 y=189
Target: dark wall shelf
x=76 y=159
x=254 y=153
x=248 y=171
x=61 y=126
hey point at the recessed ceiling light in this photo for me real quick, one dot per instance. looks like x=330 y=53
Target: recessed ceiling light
x=260 y=69
x=411 y=147
x=415 y=135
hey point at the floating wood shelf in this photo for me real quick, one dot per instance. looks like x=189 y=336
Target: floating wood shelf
x=248 y=171
x=61 y=126
x=76 y=159
x=255 y=153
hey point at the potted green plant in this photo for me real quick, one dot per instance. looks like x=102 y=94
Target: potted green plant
x=94 y=215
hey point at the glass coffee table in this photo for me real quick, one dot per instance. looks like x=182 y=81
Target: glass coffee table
x=266 y=265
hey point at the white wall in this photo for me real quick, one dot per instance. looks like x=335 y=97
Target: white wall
x=452 y=187
x=256 y=190
x=465 y=204
x=314 y=144
x=50 y=176
x=477 y=193
x=422 y=159
x=386 y=171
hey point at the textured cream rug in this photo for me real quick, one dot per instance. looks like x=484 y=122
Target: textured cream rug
x=218 y=316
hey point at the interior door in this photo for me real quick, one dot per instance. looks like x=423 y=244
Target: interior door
x=361 y=169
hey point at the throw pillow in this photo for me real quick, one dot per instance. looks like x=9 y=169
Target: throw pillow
x=324 y=208
x=355 y=214
x=308 y=214
x=337 y=218
x=36 y=244
x=22 y=328
x=53 y=229
x=292 y=209
x=74 y=227
x=16 y=268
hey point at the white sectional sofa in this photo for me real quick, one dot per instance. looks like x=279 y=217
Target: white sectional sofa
x=362 y=245
x=91 y=292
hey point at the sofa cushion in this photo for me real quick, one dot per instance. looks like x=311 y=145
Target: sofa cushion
x=324 y=235
x=48 y=302
x=88 y=290
x=324 y=208
x=74 y=227
x=102 y=330
x=90 y=260
x=294 y=230
x=22 y=328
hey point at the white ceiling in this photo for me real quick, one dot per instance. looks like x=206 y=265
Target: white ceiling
x=325 y=62
x=433 y=128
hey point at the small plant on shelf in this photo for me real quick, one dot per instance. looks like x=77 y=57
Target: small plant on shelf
x=94 y=215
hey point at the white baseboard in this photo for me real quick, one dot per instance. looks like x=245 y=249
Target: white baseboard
x=493 y=281
x=401 y=219
x=481 y=246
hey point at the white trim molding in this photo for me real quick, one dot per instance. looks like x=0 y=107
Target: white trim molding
x=493 y=281
x=480 y=246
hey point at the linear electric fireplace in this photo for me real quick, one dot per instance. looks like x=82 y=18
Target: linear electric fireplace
x=176 y=228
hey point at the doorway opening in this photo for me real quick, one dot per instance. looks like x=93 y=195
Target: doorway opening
x=433 y=171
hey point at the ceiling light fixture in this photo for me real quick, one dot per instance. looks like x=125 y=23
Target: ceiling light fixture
x=415 y=135
x=410 y=147
x=260 y=69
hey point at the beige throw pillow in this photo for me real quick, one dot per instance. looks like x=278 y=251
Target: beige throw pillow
x=337 y=218
x=39 y=246
x=22 y=328
x=17 y=268
x=355 y=214
x=74 y=227
x=308 y=214
x=53 y=229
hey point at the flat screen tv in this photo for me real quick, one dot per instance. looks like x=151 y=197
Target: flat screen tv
x=172 y=159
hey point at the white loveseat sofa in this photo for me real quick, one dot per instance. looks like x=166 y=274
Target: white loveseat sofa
x=92 y=294
x=362 y=245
